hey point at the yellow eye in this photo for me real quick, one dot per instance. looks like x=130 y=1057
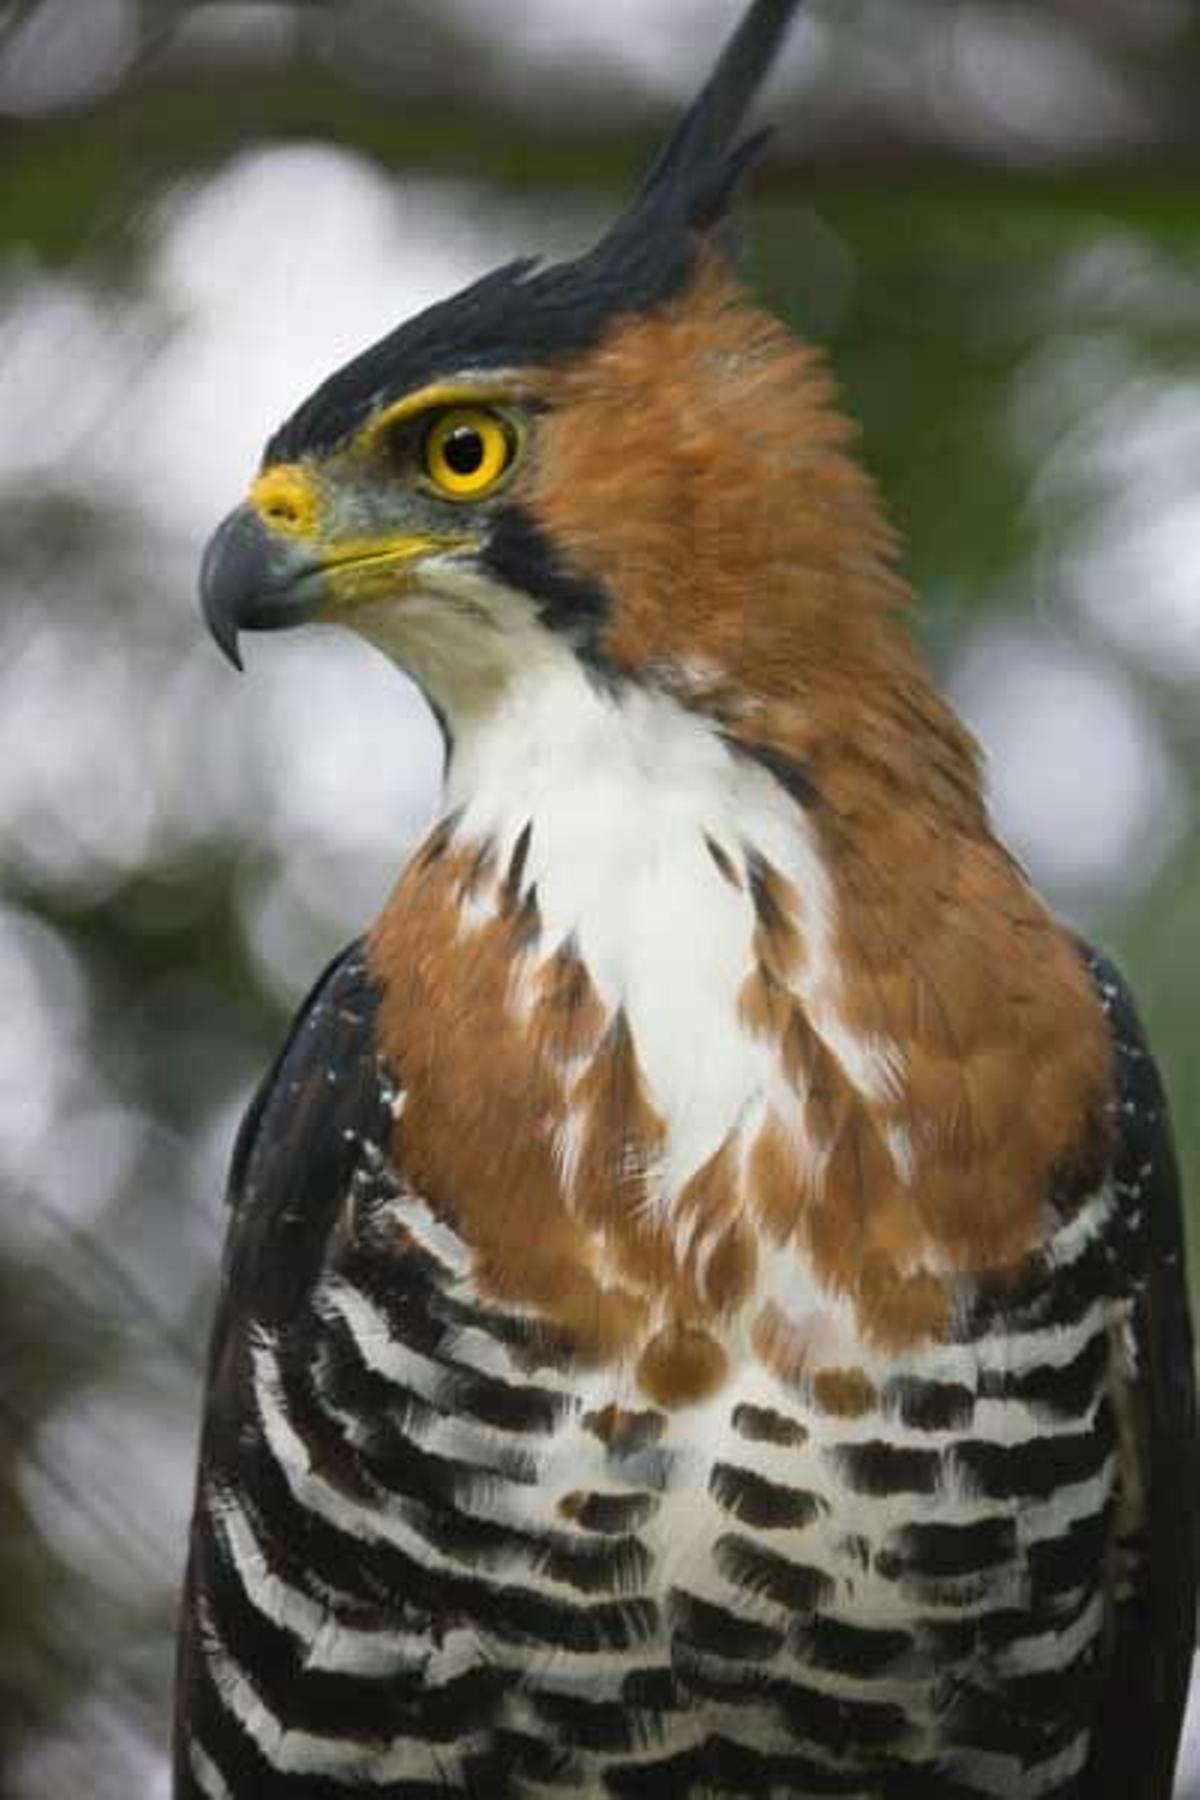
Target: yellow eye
x=466 y=451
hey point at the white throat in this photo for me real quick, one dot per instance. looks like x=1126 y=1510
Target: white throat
x=622 y=796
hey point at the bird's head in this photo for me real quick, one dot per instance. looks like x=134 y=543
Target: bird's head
x=620 y=456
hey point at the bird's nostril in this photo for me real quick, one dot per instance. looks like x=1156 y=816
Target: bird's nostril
x=283 y=497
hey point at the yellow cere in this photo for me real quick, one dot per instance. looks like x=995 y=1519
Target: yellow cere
x=285 y=498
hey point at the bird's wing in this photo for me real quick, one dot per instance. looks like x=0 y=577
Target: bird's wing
x=301 y=1141
x=311 y=1131
x=1153 y=1574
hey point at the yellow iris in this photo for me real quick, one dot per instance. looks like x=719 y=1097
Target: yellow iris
x=466 y=451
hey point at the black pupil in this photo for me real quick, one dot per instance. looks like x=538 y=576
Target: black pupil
x=463 y=450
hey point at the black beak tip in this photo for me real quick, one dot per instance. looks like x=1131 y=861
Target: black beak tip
x=222 y=580
x=250 y=580
x=225 y=637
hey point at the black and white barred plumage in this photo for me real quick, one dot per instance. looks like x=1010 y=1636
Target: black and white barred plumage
x=984 y=1589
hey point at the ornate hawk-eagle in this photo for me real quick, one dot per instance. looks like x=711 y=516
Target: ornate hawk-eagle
x=703 y=1311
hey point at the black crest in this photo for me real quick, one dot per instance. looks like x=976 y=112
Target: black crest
x=523 y=313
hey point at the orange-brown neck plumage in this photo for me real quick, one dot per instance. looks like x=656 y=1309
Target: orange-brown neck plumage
x=696 y=465
x=695 y=468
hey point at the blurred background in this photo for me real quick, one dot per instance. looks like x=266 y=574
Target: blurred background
x=987 y=210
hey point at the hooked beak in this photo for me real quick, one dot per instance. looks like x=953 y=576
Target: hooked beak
x=254 y=579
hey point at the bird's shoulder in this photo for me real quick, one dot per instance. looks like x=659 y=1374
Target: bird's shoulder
x=322 y=1106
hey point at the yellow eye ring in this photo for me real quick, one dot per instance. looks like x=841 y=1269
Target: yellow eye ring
x=466 y=451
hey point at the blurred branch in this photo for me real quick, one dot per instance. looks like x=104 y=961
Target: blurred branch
x=416 y=82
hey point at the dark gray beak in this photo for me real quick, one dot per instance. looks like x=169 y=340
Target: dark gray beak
x=255 y=579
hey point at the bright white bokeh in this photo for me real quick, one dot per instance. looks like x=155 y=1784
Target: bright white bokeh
x=1136 y=570
x=265 y=280
x=78 y=1479
x=43 y=1052
x=1024 y=76
x=1114 y=439
x=51 y=325
x=1080 y=784
x=64 y=54
x=98 y=1752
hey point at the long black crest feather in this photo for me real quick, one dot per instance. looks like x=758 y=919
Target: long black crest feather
x=523 y=314
x=692 y=179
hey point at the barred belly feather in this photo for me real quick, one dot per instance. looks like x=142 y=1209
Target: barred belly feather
x=449 y=1563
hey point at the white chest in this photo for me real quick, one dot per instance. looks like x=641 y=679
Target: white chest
x=638 y=833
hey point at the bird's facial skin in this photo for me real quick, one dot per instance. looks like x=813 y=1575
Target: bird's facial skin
x=400 y=511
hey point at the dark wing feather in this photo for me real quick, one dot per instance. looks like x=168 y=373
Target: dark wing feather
x=1154 y=1565
x=298 y=1144
x=293 y=1168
